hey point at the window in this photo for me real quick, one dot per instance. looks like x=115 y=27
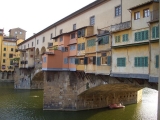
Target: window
x=157 y=61
x=90 y=43
x=51 y=36
x=61 y=38
x=140 y=36
x=90 y=60
x=43 y=39
x=117 y=39
x=146 y=13
x=83 y=46
x=4 y=49
x=31 y=56
x=4 y=60
x=74 y=26
x=20 y=32
x=73 y=35
x=56 y=40
x=37 y=42
x=11 y=62
x=141 y=61
x=79 y=47
x=61 y=31
x=10 y=55
x=11 y=49
x=155 y=32
x=121 y=62
x=4 y=55
x=32 y=44
x=24 y=46
x=28 y=45
x=72 y=60
x=44 y=59
x=125 y=37
x=103 y=40
x=65 y=60
x=15 y=32
x=72 y=47
x=3 y=67
x=81 y=61
x=118 y=11
x=92 y=20
x=137 y=15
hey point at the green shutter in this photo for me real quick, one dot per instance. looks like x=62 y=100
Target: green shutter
x=119 y=39
x=139 y=36
x=124 y=38
x=153 y=32
x=157 y=32
x=116 y=39
x=136 y=62
x=109 y=60
x=146 y=35
x=143 y=35
x=145 y=61
x=136 y=36
x=157 y=61
x=98 y=61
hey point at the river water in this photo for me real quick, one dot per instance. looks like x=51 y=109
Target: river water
x=28 y=105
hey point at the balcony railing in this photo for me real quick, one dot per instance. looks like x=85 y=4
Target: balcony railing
x=103 y=31
x=121 y=26
x=154 y=15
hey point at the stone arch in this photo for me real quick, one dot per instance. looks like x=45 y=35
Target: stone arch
x=43 y=50
x=37 y=53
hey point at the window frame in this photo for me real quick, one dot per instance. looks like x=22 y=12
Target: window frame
x=120 y=62
x=144 y=12
x=61 y=31
x=43 y=39
x=118 y=11
x=137 y=15
x=92 y=20
x=74 y=26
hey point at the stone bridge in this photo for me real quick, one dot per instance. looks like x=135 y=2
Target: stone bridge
x=73 y=91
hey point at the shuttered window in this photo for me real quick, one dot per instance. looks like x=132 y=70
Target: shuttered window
x=76 y=61
x=91 y=43
x=121 y=62
x=83 y=46
x=140 y=36
x=157 y=61
x=141 y=61
x=155 y=32
x=117 y=39
x=125 y=37
x=65 y=60
x=98 y=61
x=103 y=40
x=94 y=60
x=85 y=60
x=108 y=60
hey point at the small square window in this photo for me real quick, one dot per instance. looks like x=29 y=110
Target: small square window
x=146 y=13
x=4 y=49
x=74 y=27
x=37 y=42
x=137 y=15
x=92 y=20
x=4 y=55
x=11 y=49
x=118 y=11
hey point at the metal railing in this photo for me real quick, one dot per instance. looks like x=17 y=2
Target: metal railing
x=121 y=26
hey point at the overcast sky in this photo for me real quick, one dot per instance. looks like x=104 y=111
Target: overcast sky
x=35 y=15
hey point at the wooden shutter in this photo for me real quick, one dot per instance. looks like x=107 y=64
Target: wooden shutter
x=153 y=32
x=136 y=62
x=94 y=60
x=146 y=34
x=85 y=60
x=119 y=39
x=109 y=60
x=124 y=38
x=157 y=32
x=98 y=61
x=83 y=46
x=145 y=61
x=143 y=35
x=136 y=36
x=157 y=61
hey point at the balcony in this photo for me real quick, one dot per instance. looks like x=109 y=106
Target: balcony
x=154 y=15
x=121 y=26
x=103 y=31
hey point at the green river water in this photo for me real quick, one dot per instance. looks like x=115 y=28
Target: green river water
x=28 y=105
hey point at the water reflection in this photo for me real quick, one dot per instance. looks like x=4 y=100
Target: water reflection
x=27 y=105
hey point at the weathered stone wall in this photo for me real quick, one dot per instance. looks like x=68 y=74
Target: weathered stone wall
x=63 y=91
x=6 y=76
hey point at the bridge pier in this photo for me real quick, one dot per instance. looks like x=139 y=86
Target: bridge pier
x=72 y=91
